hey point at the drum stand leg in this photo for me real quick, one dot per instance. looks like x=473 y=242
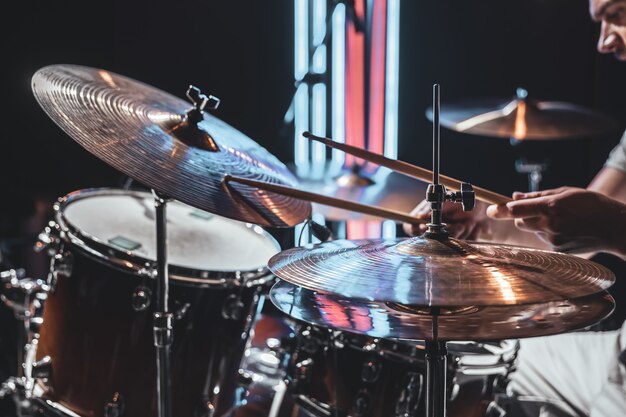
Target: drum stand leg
x=163 y=331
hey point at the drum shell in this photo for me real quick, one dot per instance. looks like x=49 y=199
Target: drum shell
x=101 y=345
x=345 y=373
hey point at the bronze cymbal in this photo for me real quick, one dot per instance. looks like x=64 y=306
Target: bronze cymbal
x=151 y=136
x=523 y=118
x=380 y=187
x=401 y=321
x=428 y=272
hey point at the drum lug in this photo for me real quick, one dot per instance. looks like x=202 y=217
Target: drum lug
x=42 y=368
x=303 y=370
x=233 y=308
x=115 y=407
x=309 y=343
x=362 y=403
x=410 y=397
x=141 y=298
x=371 y=370
x=62 y=265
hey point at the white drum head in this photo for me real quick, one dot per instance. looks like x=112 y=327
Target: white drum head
x=198 y=240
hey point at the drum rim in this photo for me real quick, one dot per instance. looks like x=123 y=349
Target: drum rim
x=137 y=265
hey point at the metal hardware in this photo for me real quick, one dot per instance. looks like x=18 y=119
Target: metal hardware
x=42 y=368
x=48 y=241
x=370 y=372
x=410 y=397
x=62 y=265
x=115 y=407
x=303 y=370
x=362 y=403
x=141 y=298
x=233 y=307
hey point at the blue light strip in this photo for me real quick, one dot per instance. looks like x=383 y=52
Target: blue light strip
x=391 y=82
x=389 y=229
x=301 y=38
x=319 y=21
x=318 y=122
x=301 y=124
x=338 y=73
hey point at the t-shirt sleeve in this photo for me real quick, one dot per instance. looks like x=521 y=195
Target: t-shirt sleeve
x=617 y=157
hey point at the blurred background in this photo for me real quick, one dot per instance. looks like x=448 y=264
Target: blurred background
x=247 y=52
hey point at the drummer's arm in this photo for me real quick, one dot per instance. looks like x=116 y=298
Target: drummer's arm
x=610 y=182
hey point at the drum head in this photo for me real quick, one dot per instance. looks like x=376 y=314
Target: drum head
x=201 y=246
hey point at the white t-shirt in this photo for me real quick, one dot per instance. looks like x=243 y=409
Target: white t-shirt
x=617 y=157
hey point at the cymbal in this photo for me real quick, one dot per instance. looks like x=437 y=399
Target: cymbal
x=523 y=118
x=382 y=188
x=148 y=135
x=392 y=320
x=428 y=272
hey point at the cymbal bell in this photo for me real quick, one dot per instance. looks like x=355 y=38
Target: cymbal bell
x=523 y=118
x=166 y=143
x=429 y=272
x=380 y=187
x=401 y=321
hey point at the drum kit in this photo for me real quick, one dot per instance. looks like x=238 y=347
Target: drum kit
x=153 y=296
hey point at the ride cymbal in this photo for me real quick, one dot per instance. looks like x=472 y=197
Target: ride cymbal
x=393 y=320
x=429 y=272
x=156 y=139
x=523 y=118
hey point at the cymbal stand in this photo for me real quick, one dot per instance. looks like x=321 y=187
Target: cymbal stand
x=162 y=326
x=436 y=351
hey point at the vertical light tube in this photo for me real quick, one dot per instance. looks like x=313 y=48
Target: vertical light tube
x=338 y=72
x=301 y=99
x=389 y=229
x=319 y=22
x=301 y=124
x=318 y=122
x=392 y=79
x=301 y=39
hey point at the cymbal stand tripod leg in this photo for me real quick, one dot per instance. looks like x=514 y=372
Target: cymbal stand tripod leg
x=162 y=325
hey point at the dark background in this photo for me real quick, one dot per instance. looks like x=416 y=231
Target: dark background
x=242 y=52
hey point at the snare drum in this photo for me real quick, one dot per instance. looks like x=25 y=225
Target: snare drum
x=339 y=373
x=97 y=322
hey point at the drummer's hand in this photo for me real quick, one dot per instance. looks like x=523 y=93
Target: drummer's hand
x=460 y=224
x=569 y=219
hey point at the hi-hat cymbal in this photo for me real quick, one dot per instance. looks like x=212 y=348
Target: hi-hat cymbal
x=381 y=188
x=392 y=320
x=147 y=134
x=523 y=118
x=428 y=272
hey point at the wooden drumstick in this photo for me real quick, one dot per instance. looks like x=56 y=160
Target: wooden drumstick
x=409 y=169
x=329 y=201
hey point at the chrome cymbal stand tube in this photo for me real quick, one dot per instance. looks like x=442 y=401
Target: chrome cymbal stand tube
x=163 y=330
x=436 y=351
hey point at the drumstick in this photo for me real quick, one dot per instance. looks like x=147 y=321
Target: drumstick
x=328 y=201
x=409 y=169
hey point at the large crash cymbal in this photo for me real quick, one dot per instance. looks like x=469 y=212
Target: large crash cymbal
x=147 y=134
x=428 y=272
x=381 y=188
x=523 y=118
x=392 y=320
